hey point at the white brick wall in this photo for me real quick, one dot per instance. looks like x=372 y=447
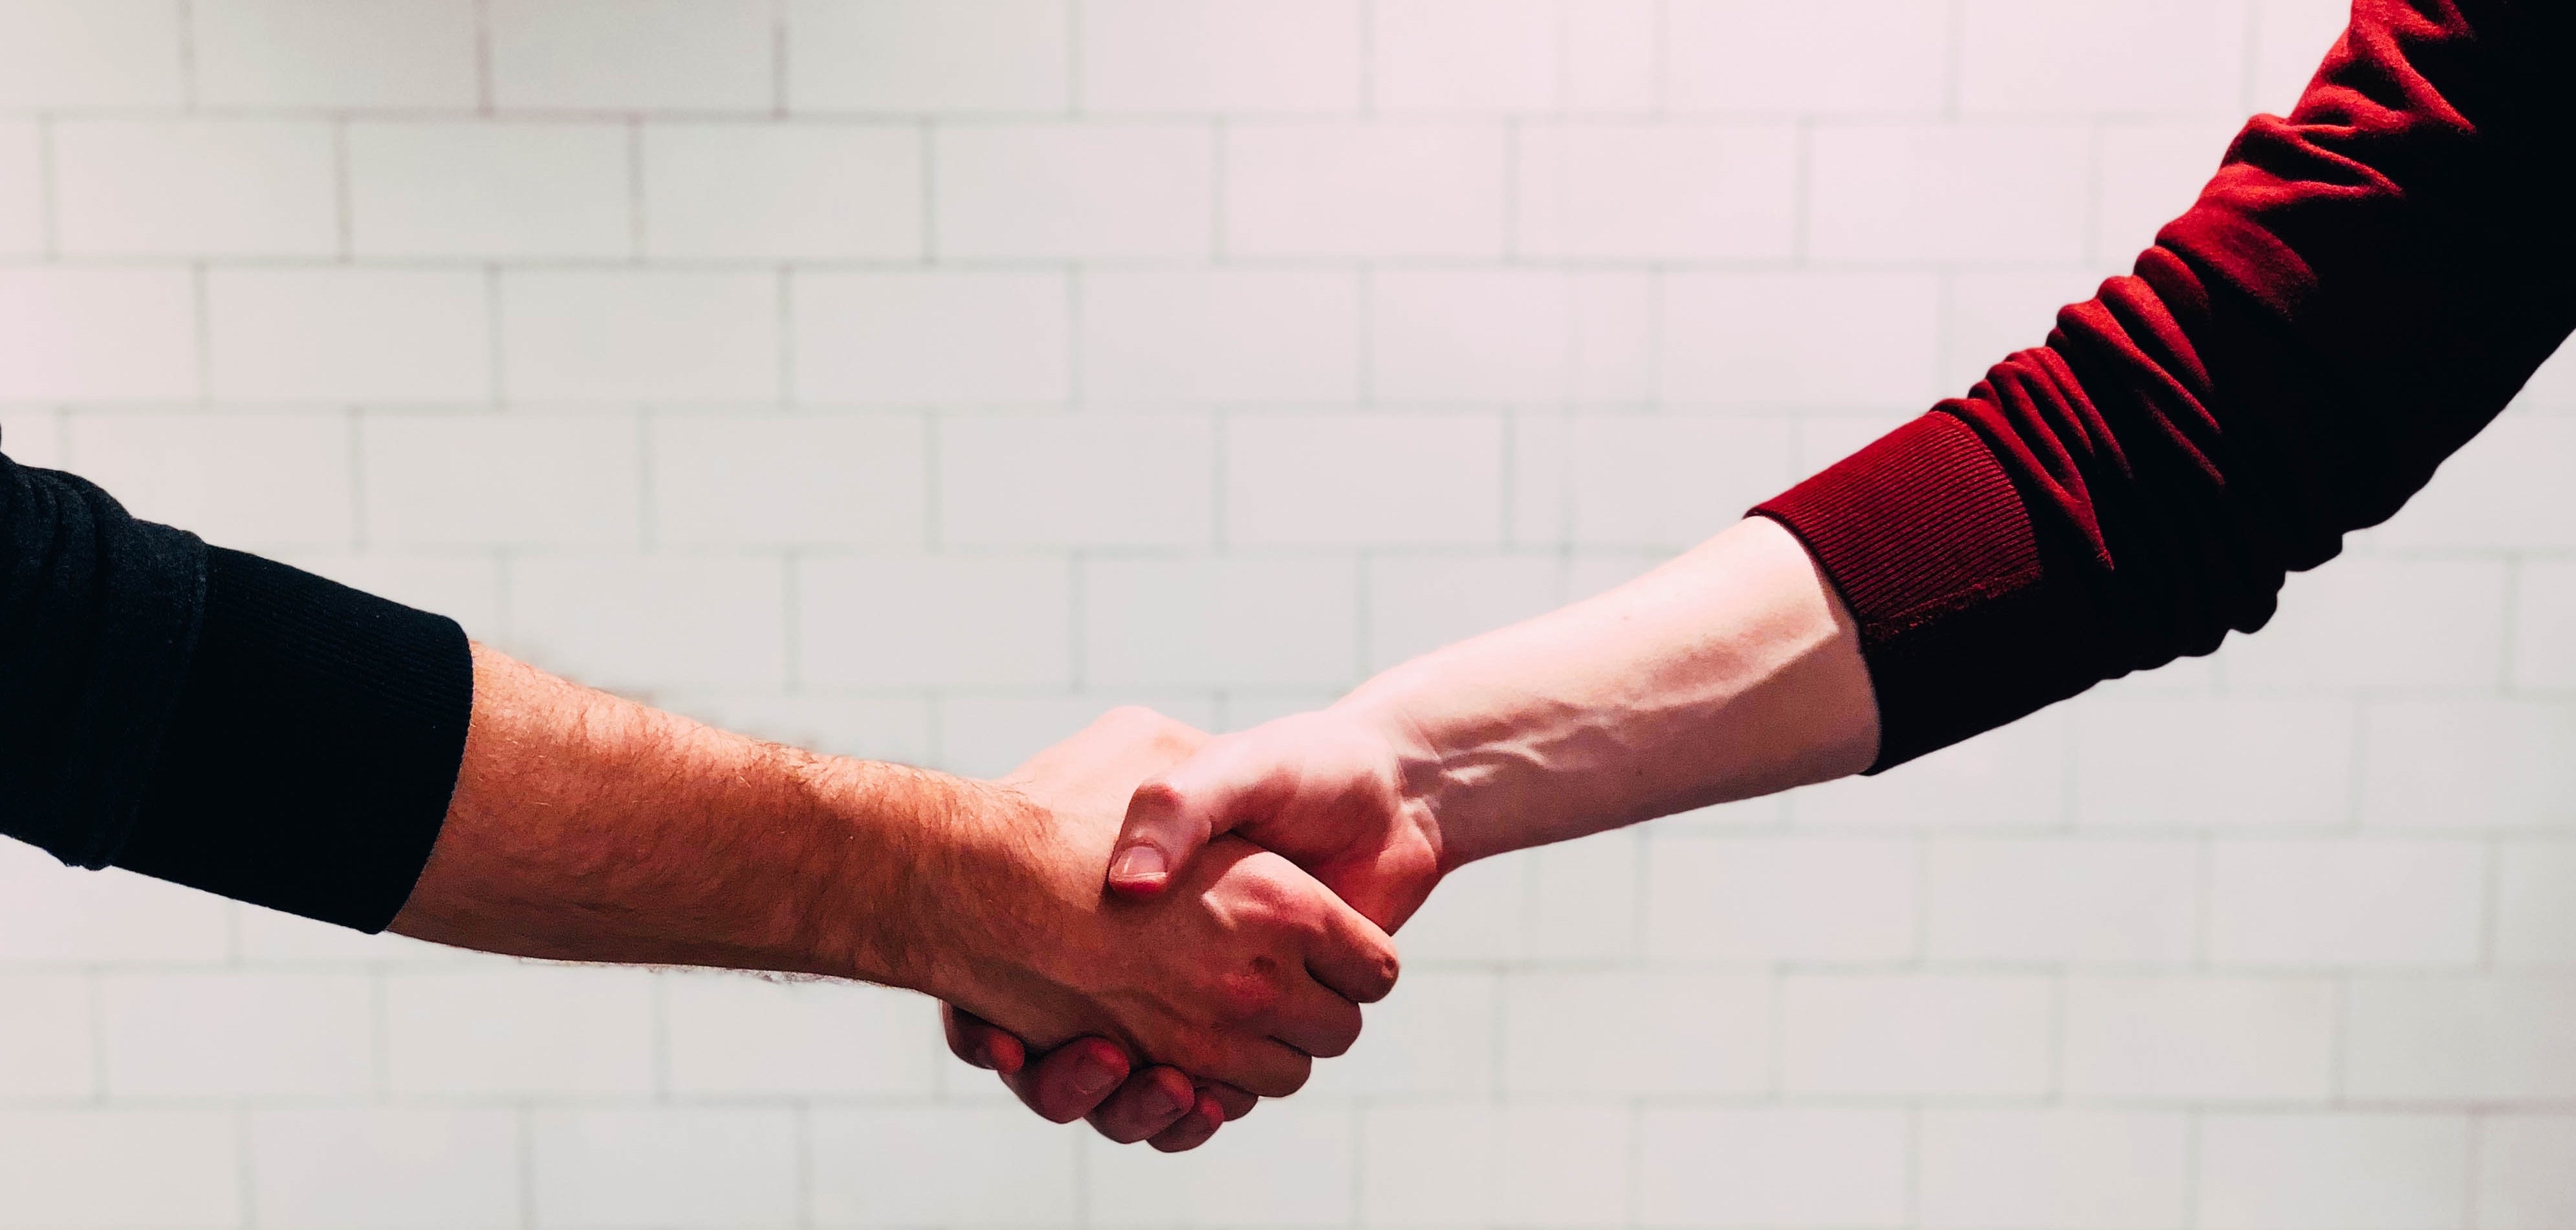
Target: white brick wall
x=917 y=378
x=163 y=188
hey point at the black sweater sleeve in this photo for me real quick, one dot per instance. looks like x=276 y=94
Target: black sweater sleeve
x=213 y=718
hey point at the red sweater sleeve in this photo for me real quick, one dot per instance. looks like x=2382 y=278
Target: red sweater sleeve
x=2362 y=287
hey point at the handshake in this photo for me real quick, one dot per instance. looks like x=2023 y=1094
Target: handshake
x=1206 y=915
x=1249 y=895
x=1145 y=925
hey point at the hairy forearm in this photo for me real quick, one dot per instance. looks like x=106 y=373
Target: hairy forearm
x=1730 y=672
x=588 y=827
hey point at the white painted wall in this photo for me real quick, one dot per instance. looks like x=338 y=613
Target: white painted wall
x=917 y=378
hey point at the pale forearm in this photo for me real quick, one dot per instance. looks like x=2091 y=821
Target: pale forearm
x=1730 y=672
x=592 y=828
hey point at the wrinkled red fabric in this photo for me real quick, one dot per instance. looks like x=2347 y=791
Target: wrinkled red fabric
x=2362 y=287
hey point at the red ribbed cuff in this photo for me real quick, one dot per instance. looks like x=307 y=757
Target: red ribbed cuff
x=1963 y=624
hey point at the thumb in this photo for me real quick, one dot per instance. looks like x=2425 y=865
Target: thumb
x=1174 y=814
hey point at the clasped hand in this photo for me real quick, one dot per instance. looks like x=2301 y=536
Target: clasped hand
x=1307 y=827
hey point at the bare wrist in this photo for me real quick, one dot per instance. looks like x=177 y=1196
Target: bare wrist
x=924 y=856
x=1432 y=777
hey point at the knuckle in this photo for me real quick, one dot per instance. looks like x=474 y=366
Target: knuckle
x=1158 y=796
x=1251 y=991
x=1271 y=888
x=1386 y=967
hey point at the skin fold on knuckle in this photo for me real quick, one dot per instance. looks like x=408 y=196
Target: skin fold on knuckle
x=1252 y=992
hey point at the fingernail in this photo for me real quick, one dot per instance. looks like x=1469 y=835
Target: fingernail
x=1166 y=1104
x=1139 y=862
x=1093 y=1075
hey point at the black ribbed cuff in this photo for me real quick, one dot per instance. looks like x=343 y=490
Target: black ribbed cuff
x=314 y=749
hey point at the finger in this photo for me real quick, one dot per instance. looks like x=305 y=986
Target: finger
x=1174 y=814
x=1071 y=1081
x=1314 y=1019
x=1267 y=1067
x=980 y=1042
x=1194 y=1128
x=1236 y=1102
x=1352 y=955
x=1150 y=1102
